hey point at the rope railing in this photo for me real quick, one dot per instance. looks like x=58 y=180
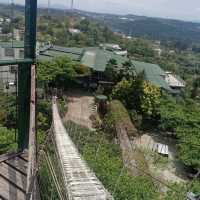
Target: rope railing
x=45 y=176
x=47 y=180
x=50 y=172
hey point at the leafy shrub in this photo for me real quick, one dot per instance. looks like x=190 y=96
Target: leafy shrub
x=7 y=140
x=139 y=95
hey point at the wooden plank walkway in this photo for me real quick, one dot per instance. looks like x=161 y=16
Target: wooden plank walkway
x=81 y=183
x=13 y=176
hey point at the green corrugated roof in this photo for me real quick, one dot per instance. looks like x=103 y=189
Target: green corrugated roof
x=153 y=73
x=44 y=58
x=52 y=53
x=73 y=50
x=95 y=59
x=98 y=59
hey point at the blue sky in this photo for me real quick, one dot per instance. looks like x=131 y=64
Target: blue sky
x=177 y=9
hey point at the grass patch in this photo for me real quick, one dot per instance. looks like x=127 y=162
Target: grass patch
x=156 y=159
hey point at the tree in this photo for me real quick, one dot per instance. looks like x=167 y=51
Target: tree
x=6 y=28
x=59 y=72
x=110 y=72
x=196 y=86
x=139 y=95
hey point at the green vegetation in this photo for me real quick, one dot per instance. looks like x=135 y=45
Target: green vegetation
x=7 y=140
x=7 y=123
x=56 y=30
x=139 y=95
x=44 y=119
x=104 y=157
x=183 y=118
x=60 y=72
x=117 y=116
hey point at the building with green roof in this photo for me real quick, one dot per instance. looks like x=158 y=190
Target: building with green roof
x=153 y=73
x=95 y=58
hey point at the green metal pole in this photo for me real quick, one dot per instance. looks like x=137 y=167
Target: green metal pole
x=24 y=73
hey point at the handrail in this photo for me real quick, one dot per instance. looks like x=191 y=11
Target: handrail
x=32 y=168
x=16 y=61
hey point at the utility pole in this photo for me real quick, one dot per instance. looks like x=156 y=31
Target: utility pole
x=24 y=73
x=49 y=4
x=72 y=5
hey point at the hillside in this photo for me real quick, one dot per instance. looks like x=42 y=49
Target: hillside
x=150 y=28
x=132 y=25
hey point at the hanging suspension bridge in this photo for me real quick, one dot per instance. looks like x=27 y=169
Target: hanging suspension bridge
x=18 y=172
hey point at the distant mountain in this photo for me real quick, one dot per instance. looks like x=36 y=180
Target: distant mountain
x=148 y=27
x=133 y=25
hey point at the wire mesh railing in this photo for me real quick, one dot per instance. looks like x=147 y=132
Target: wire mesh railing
x=8 y=111
x=50 y=174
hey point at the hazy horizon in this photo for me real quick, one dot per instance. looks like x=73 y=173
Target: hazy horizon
x=177 y=9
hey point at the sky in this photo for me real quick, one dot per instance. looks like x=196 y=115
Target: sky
x=177 y=9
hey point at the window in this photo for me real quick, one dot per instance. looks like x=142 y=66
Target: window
x=9 y=52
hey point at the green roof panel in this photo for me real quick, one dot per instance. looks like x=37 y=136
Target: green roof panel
x=153 y=73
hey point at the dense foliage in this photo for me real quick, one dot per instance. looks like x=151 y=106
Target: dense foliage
x=57 y=30
x=7 y=140
x=7 y=123
x=139 y=95
x=183 y=118
x=60 y=72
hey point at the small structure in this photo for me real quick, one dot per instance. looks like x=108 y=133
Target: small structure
x=174 y=81
x=171 y=51
x=121 y=53
x=101 y=101
x=8 y=20
x=74 y=31
x=129 y=37
x=158 y=51
x=161 y=149
x=110 y=47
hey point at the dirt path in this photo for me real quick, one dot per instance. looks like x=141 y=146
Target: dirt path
x=80 y=108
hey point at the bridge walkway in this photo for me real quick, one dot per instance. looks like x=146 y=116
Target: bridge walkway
x=80 y=180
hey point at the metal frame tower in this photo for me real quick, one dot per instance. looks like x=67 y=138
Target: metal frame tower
x=24 y=72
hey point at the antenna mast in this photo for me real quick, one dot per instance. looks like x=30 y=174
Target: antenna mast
x=72 y=5
x=49 y=4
